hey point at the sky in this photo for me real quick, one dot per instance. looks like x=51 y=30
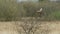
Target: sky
x=54 y=0
x=26 y=0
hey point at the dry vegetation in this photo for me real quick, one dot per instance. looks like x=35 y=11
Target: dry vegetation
x=8 y=28
x=26 y=18
x=45 y=27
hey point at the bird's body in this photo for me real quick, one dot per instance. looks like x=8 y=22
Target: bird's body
x=40 y=10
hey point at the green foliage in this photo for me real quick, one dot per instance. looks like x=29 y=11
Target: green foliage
x=11 y=10
x=30 y=8
x=41 y=0
x=8 y=9
x=56 y=15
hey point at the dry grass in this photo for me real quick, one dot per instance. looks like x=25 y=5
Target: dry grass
x=46 y=27
x=8 y=28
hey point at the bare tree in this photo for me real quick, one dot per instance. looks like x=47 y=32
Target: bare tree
x=29 y=26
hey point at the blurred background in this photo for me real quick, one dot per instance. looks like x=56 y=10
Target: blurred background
x=11 y=10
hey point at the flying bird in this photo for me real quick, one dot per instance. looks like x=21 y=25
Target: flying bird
x=40 y=10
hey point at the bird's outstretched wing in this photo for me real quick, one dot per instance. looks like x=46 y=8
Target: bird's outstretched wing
x=40 y=10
